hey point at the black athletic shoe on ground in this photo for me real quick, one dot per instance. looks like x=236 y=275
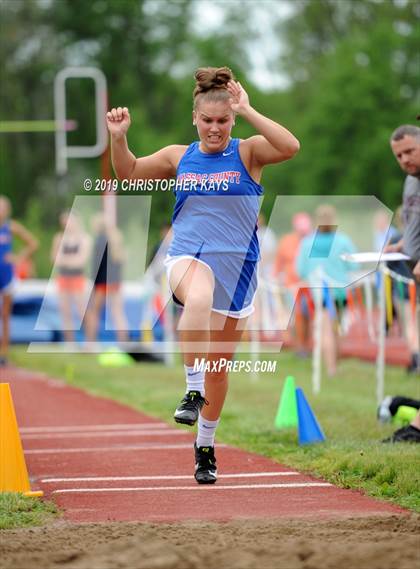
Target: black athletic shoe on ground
x=408 y=434
x=205 y=465
x=189 y=408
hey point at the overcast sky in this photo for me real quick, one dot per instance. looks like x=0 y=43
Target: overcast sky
x=265 y=51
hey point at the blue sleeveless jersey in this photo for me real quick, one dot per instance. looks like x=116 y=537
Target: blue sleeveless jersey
x=217 y=205
x=6 y=268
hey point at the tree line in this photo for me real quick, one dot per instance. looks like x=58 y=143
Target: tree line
x=352 y=77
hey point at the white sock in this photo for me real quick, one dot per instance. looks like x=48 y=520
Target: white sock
x=194 y=379
x=206 y=432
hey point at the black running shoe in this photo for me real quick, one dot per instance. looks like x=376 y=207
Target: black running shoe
x=189 y=408
x=205 y=465
x=408 y=434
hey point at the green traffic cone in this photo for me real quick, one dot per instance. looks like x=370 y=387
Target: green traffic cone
x=287 y=412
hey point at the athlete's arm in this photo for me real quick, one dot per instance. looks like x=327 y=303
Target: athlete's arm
x=160 y=165
x=274 y=143
x=26 y=236
x=394 y=247
x=55 y=247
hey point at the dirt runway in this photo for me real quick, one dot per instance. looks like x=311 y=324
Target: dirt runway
x=363 y=543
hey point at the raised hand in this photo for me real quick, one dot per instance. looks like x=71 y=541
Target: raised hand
x=118 y=121
x=239 y=101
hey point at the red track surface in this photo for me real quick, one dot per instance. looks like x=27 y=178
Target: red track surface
x=69 y=434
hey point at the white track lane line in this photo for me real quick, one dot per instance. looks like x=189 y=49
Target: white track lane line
x=177 y=477
x=84 y=428
x=111 y=449
x=99 y=434
x=197 y=487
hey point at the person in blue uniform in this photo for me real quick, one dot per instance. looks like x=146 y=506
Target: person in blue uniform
x=212 y=259
x=10 y=228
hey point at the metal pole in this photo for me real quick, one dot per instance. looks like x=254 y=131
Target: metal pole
x=63 y=152
x=369 y=308
x=380 y=359
x=316 y=353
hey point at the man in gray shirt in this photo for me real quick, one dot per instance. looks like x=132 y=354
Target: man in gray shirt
x=405 y=144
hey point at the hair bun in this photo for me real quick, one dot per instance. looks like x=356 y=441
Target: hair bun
x=208 y=78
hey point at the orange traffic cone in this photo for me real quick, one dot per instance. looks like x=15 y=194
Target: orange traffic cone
x=13 y=472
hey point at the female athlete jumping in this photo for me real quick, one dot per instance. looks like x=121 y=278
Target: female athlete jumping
x=212 y=259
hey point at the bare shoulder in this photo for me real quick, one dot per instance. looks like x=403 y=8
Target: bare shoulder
x=248 y=145
x=161 y=164
x=175 y=153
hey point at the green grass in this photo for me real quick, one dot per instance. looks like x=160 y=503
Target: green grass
x=352 y=456
x=17 y=510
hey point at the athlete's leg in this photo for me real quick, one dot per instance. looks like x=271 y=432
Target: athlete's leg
x=7 y=302
x=80 y=300
x=302 y=325
x=226 y=333
x=329 y=343
x=93 y=313
x=412 y=338
x=117 y=310
x=193 y=283
x=64 y=300
x=300 y=331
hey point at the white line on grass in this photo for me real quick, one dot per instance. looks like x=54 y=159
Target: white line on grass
x=189 y=488
x=111 y=449
x=177 y=477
